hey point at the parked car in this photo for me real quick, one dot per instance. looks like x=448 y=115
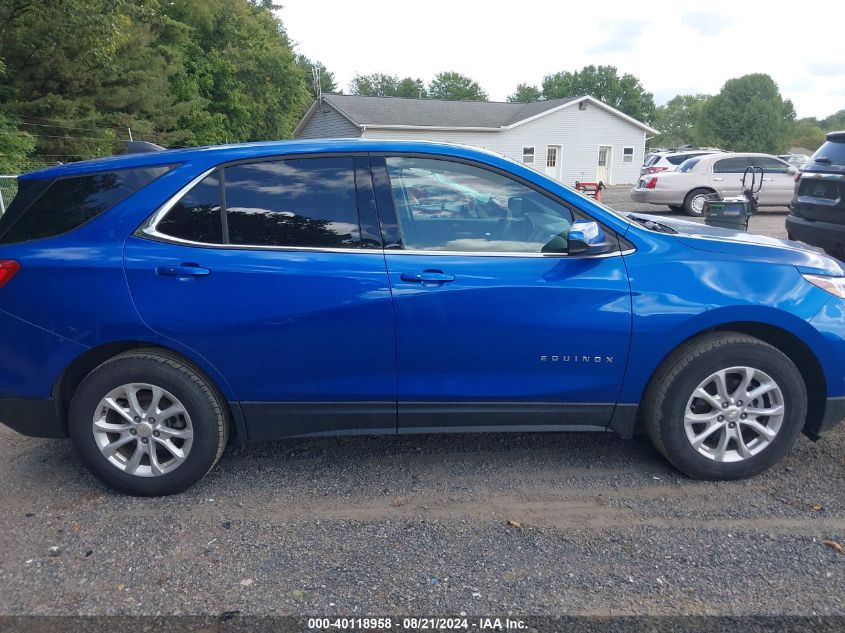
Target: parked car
x=669 y=161
x=796 y=160
x=686 y=189
x=817 y=213
x=154 y=306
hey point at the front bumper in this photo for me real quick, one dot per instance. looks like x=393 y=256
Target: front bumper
x=834 y=413
x=35 y=417
x=827 y=235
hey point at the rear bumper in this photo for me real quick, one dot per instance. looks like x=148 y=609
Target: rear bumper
x=834 y=412
x=827 y=235
x=35 y=417
x=656 y=196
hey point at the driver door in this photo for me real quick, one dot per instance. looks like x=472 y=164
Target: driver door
x=496 y=325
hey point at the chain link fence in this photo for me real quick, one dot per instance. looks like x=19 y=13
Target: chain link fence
x=8 y=189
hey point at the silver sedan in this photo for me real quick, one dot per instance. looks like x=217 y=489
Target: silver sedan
x=686 y=189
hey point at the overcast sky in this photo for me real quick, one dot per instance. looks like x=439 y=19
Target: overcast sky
x=674 y=48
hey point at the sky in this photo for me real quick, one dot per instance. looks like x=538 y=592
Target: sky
x=672 y=47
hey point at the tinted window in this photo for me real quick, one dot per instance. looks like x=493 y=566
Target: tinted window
x=296 y=202
x=27 y=190
x=677 y=159
x=444 y=205
x=688 y=165
x=197 y=216
x=769 y=165
x=832 y=151
x=730 y=166
x=68 y=203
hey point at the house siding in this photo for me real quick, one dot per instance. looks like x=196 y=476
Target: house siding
x=579 y=132
x=328 y=124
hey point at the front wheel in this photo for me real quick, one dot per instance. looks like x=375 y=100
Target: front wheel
x=147 y=423
x=694 y=202
x=725 y=406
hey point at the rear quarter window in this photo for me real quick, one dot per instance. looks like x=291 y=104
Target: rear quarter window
x=833 y=151
x=64 y=204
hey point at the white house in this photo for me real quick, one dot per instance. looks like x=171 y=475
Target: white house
x=575 y=139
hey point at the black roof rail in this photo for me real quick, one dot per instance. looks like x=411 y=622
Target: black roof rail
x=142 y=147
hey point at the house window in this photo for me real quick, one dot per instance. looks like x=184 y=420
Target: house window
x=627 y=154
x=551 y=157
x=528 y=155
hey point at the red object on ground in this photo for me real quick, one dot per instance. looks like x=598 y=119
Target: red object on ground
x=590 y=188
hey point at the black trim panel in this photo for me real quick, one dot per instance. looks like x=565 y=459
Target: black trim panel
x=624 y=419
x=274 y=420
x=35 y=417
x=834 y=413
x=443 y=416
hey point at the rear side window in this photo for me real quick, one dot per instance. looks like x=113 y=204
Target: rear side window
x=306 y=202
x=730 y=165
x=68 y=203
x=680 y=158
x=688 y=165
x=197 y=216
x=833 y=152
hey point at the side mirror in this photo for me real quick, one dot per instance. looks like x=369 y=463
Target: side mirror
x=587 y=238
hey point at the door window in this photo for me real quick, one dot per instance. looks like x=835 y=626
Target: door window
x=551 y=157
x=197 y=216
x=449 y=206
x=602 y=157
x=770 y=165
x=730 y=165
x=307 y=202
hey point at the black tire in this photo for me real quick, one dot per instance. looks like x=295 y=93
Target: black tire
x=688 y=202
x=202 y=401
x=677 y=208
x=672 y=385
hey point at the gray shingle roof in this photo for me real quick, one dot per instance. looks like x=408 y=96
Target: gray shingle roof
x=437 y=113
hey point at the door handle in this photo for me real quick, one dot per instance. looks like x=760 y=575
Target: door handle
x=718 y=179
x=183 y=270
x=768 y=179
x=427 y=277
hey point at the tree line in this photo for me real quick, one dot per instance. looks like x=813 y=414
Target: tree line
x=78 y=77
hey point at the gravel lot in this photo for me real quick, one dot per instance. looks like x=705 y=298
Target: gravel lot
x=418 y=525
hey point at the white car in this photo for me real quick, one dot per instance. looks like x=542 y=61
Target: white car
x=670 y=161
x=686 y=189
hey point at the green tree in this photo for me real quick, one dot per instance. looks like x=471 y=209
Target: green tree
x=454 y=87
x=411 y=88
x=677 y=120
x=834 y=122
x=807 y=133
x=16 y=147
x=327 y=81
x=374 y=85
x=525 y=93
x=624 y=93
x=748 y=115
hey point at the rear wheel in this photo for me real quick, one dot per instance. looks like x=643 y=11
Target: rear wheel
x=146 y=423
x=725 y=406
x=694 y=202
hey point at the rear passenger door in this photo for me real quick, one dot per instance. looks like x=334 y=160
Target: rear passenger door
x=727 y=173
x=273 y=270
x=778 y=181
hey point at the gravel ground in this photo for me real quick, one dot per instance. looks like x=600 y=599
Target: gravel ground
x=419 y=525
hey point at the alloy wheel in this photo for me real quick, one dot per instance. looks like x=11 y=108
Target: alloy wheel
x=734 y=414
x=143 y=430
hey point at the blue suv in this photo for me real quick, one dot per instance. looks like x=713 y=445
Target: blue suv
x=155 y=306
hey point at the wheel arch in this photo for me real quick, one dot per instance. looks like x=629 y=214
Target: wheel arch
x=781 y=339
x=67 y=382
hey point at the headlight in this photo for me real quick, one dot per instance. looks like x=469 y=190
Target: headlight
x=833 y=285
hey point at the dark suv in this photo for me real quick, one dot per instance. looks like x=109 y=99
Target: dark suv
x=817 y=212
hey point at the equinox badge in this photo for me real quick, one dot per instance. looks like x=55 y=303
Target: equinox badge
x=567 y=358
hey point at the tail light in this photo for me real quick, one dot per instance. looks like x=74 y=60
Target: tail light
x=797 y=176
x=652 y=183
x=8 y=269
x=654 y=170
